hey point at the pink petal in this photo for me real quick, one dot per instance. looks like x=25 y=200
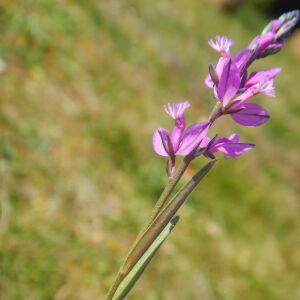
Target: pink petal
x=176 y=110
x=192 y=138
x=257 y=77
x=205 y=141
x=230 y=146
x=220 y=65
x=219 y=68
x=234 y=138
x=275 y=25
x=235 y=150
x=177 y=132
x=272 y=48
x=266 y=87
x=229 y=82
x=158 y=145
x=241 y=59
x=208 y=81
x=252 y=115
x=260 y=43
x=222 y=44
x=214 y=147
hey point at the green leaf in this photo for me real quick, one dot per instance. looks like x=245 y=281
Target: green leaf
x=128 y=282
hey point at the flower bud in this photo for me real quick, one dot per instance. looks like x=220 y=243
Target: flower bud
x=288 y=22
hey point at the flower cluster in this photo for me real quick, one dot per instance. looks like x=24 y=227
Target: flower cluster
x=233 y=87
x=194 y=139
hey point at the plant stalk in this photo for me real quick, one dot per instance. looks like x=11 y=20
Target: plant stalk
x=154 y=229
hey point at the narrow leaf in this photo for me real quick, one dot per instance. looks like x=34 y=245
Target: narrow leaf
x=128 y=282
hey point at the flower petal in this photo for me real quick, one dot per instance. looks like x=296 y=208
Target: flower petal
x=288 y=22
x=261 y=42
x=235 y=150
x=240 y=101
x=222 y=44
x=176 y=110
x=257 y=77
x=177 y=132
x=229 y=82
x=241 y=59
x=192 y=138
x=266 y=87
x=219 y=68
x=252 y=115
x=160 y=141
x=272 y=49
x=234 y=138
x=229 y=146
x=205 y=141
x=208 y=81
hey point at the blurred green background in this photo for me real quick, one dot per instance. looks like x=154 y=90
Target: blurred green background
x=82 y=85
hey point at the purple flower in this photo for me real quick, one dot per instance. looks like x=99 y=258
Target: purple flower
x=239 y=62
x=231 y=83
x=222 y=45
x=230 y=147
x=234 y=89
x=179 y=141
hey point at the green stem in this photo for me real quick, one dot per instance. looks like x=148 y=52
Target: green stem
x=167 y=191
x=216 y=112
x=159 y=223
x=165 y=216
x=157 y=208
x=163 y=199
x=129 y=281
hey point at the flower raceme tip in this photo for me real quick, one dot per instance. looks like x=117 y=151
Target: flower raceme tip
x=229 y=78
x=233 y=88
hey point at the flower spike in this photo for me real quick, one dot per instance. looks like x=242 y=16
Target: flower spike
x=233 y=86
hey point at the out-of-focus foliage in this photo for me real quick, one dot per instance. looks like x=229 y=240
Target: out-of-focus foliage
x=81 y=91
x=266 y=4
